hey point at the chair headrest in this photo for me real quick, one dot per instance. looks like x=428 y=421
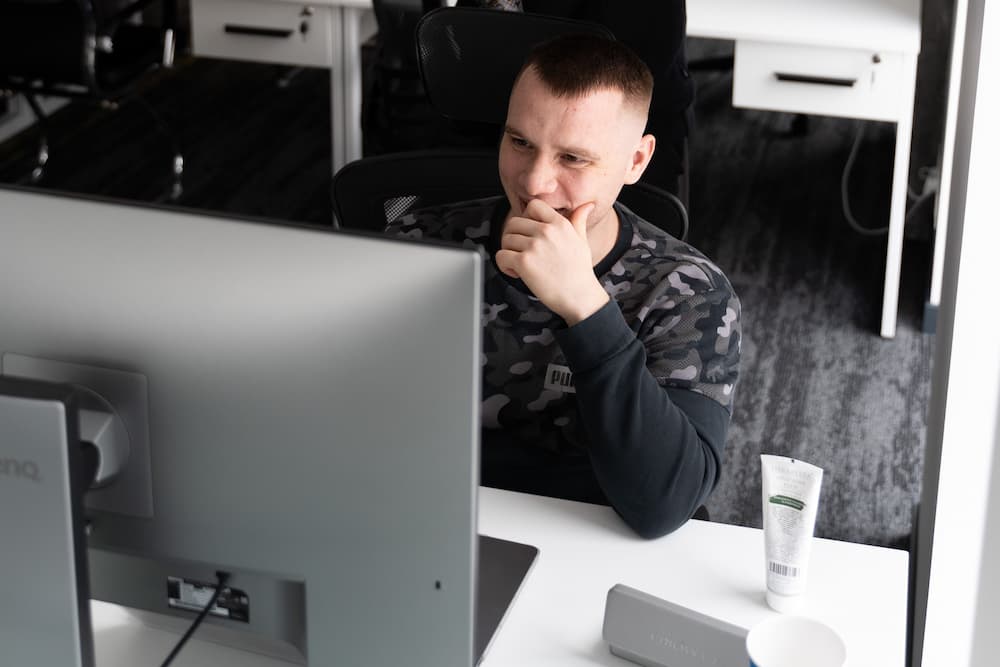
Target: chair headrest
x=44 y=40
x=469 y=57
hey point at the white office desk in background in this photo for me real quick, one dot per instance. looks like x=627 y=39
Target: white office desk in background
x=584 y=550
x=318 y=33
x=872 y=43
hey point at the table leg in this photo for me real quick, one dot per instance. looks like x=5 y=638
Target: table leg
x=345 y=84
x=897 y=207
x=338 y=89
x=352 y=38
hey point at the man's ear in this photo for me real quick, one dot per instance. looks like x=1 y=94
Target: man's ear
x=641 y=156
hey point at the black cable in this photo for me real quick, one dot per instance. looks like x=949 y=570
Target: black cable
x=220 y=581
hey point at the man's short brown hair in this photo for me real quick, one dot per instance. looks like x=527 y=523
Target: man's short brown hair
x=576 y=64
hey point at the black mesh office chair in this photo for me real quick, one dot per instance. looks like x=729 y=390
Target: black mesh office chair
x=395 y=113
x=469 y=58
x=656 y=32
x=83 y=50
x=371 y=192
x=468 y=61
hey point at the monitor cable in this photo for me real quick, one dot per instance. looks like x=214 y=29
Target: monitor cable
x=220 y=581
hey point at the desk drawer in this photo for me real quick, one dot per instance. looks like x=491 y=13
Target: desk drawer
x=271 y=32
x=818 y=80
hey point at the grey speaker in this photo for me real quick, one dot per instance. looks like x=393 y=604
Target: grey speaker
x=653 y=632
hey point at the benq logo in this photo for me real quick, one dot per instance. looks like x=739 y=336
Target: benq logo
x=20 y=469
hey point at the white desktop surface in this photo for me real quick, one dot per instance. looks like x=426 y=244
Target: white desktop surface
x=584 y=550
x=888 y=25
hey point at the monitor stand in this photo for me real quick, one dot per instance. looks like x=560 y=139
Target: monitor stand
x=502 y=568
x=44 y=472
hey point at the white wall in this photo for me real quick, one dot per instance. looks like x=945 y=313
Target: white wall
x=958 y=573
x=985 y=638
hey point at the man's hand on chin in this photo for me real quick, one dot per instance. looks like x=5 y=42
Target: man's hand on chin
x=550 y=253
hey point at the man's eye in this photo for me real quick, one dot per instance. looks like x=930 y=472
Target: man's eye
x=573 y=159
x=519 y=142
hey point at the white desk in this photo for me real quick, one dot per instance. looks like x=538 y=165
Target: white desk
x=556 y=619
x=875 y=42
x=830 y=38
x=318 y=33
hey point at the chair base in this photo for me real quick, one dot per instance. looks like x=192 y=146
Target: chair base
x=176 y=166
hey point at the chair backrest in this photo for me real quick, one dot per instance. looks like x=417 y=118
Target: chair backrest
x=371 y=192
x=469 y=56
x=47 y=40
x=77 y=48
x=396 y=115
x=397 y=24
x=657 y=206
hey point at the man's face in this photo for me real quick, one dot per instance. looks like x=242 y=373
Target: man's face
x=572 y=150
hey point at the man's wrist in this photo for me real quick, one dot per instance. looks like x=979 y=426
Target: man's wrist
x=586 y=306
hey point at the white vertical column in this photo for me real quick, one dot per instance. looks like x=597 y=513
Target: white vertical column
x=957 y=577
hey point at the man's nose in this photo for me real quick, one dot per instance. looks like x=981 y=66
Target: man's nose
x=539 y=178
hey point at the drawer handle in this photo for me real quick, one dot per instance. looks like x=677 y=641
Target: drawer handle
x=821 y=80
x=257 y=32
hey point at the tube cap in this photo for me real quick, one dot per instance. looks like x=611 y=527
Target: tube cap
x=786 y=604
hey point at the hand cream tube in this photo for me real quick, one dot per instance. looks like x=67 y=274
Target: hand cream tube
x=790 y=496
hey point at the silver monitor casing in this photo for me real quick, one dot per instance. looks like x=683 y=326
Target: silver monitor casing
x=312 y=408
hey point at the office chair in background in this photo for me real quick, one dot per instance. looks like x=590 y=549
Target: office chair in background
x=468 y=60
x=371 y=192
x=396 y=115
x=87 y=51
x=657 y=32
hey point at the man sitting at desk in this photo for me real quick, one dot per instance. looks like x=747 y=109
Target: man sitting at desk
x=610 y=349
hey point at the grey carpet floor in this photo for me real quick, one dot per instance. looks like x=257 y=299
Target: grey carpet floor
x=818 y=383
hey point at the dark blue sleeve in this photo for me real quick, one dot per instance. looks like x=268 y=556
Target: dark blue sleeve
x=656 y=451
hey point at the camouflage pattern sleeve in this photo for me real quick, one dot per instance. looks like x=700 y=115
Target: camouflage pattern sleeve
x=690 y=328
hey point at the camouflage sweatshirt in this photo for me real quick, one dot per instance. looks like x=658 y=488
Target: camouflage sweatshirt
x=629 y=407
